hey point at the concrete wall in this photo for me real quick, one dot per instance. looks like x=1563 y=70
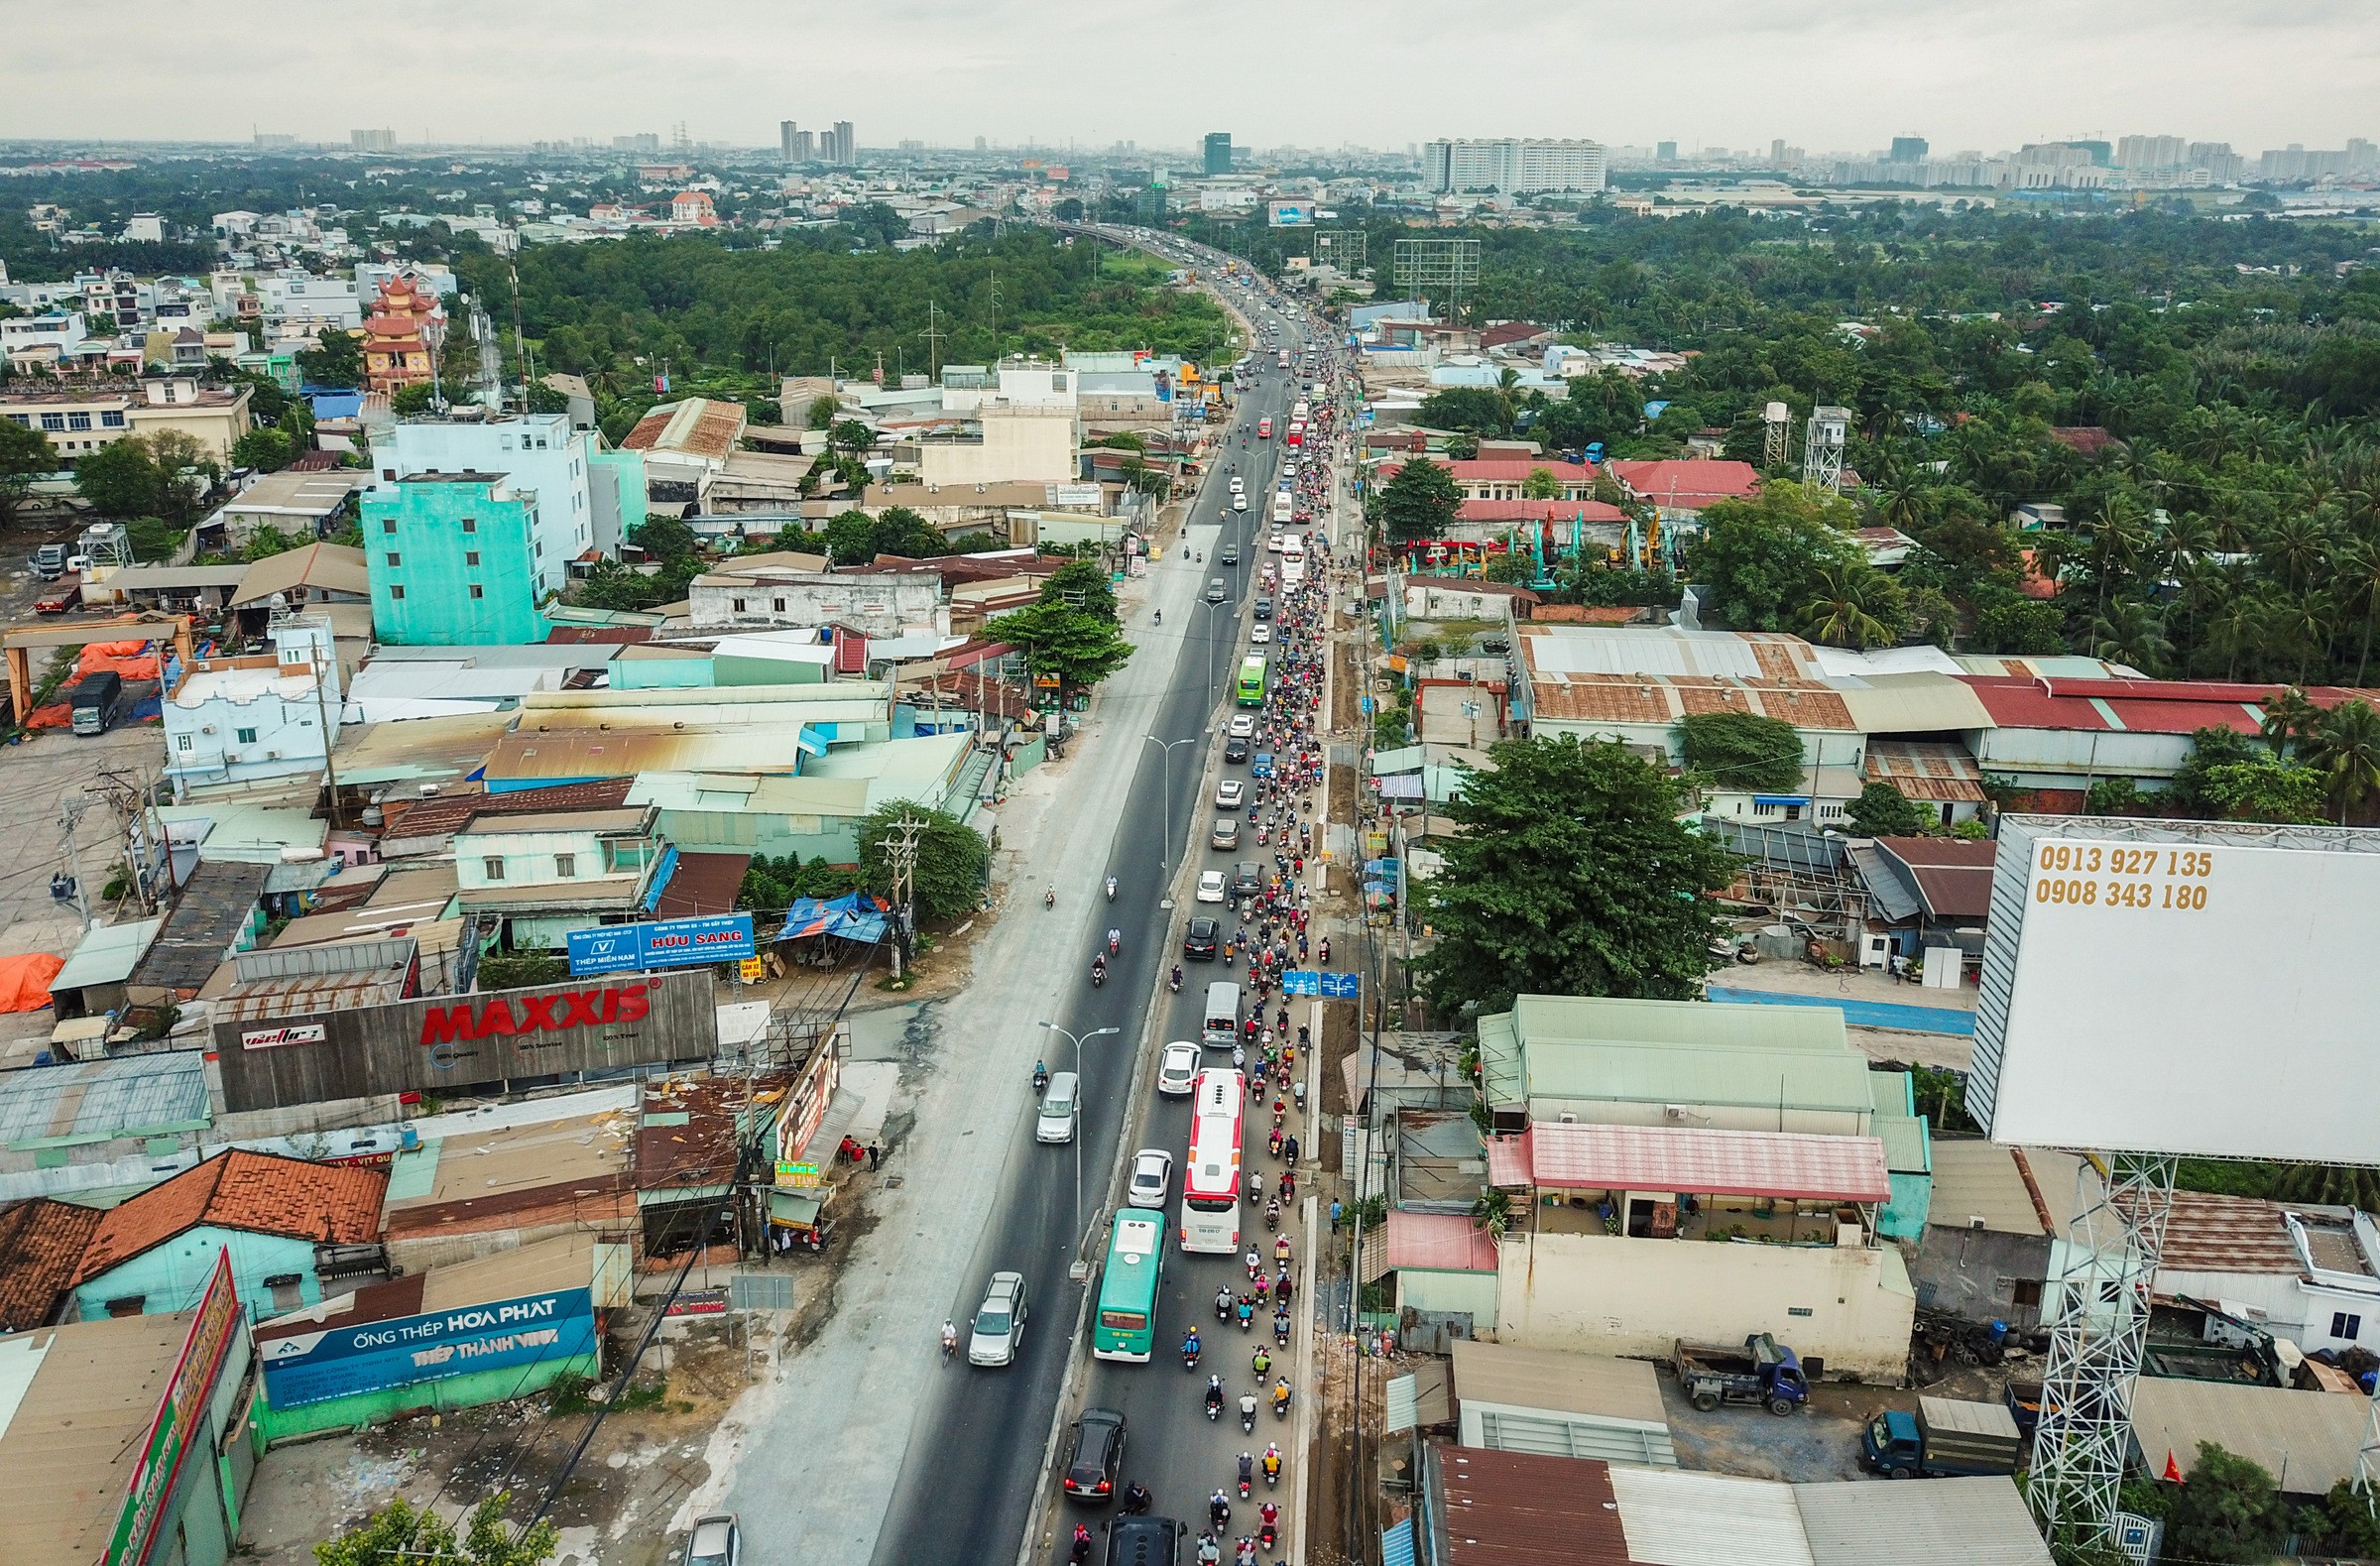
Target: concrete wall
x=1032 y=444
x=1974 y=1272
x=1602 y=1294
x=1449 y=1293
x=174 y=1276
x=455 y=1391
x=881 y=605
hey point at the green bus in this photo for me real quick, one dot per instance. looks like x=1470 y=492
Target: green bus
x=1127 y=1290
x=1252 y=680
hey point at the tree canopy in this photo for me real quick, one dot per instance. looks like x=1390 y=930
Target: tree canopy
x=1741 y=751
x=400 y=1535
x=1569 y=875
x=952 y=857
x=1420 y=502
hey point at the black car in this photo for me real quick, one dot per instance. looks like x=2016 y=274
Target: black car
x=1198 y=941
x=1235 y=750
x=1263 y=608
x=1229 y=556
x=1098 y=1456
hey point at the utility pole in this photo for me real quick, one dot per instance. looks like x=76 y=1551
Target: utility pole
x=934 y=336
x=902 y=852
x=69 y=881
x=995 y=320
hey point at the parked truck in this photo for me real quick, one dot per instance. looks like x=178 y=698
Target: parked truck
x=1763 y=1370
x=94 y=700
x=1944 y=1439
x=59 y=596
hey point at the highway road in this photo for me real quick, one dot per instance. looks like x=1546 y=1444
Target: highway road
x=969 y=1476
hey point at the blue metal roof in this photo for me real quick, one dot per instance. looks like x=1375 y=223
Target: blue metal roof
x=94 y=1100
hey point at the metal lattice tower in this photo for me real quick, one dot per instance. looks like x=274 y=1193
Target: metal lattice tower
x=1440 y=266
x=1776 y=422
x=2097 y=1332
x=1344 y=248
x=1822 y=447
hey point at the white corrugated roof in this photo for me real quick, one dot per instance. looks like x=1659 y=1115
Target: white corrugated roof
x=1973 y=1521
x=1676 y=1518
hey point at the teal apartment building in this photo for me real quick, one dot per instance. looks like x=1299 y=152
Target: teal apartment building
x=459 y=560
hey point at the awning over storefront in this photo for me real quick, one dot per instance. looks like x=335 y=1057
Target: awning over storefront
x=793 y=1209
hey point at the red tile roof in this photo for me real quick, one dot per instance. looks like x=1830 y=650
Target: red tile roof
x=41 y=1245
x=446 y=814
x=2226 y=1234
x=1504 y=471
x=702 y=884
x=1688 y=483
x=1521 y=1508
x=2137 y=706
x=1696 y=1159
x=1511 y=331
x=328 y=1204
x=1539 y=511
x=1952 y=878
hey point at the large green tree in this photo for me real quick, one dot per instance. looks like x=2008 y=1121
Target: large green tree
x=1569 y=874
x=1080 y=646
x=1881 y=810
x=952 y=857
x=1764 y=561
x=166 y=475
x=1738 y=750
x=1420 y=502
x=2229 y=1511
x=25 y=454
x=337 y=361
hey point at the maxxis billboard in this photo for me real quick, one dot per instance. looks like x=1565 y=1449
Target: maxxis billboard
x=2183 y=986
x=439 y=1043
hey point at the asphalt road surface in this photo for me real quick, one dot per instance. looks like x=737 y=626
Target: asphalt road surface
x=969 y=1476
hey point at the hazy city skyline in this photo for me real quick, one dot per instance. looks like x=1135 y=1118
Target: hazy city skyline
x=1842 y=75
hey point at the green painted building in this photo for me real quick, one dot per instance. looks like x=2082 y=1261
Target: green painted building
x=459 y=560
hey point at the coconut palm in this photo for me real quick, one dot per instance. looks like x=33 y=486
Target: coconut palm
x=1845 y=605
x=2130 y=631
x=2346 y=752
x=2290 y=719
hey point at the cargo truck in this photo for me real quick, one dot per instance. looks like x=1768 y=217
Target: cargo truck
x=1944 y=1439
x=1762 y=1371
x=94 y=703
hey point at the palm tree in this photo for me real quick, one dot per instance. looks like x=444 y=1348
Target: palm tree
x=2295 y=547
x=2346 y=752
x=2290 y=720
x=2360 y=577
x=2131 y=633
x=1842 y=604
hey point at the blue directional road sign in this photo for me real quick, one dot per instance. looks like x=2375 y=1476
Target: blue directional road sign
x=1330 y=986
x=667 y=943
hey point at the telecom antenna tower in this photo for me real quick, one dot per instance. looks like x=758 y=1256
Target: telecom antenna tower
x=1822 y=447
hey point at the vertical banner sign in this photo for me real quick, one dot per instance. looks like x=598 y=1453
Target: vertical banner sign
x=180 y=1422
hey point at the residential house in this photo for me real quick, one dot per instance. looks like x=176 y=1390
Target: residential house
x=1004 y=443
x=1935 y=775
x=1986 y=1255
x=457 y=560
x=1504 y=478
x=289 y=1227
x=307 y=503
x=1682 y=489
x=586 y=497
x=40 y=1246
x=1925 y=893
x=875 y=603
x=2309 y=1275
x=241 y=719
x=683 y=444
x=80 y=418
x=540 y=877
x=320 y=576
x=1625 y=1101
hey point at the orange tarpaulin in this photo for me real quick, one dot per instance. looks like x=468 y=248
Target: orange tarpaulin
x=25 y=981
x=58 y=715
x=132 y=659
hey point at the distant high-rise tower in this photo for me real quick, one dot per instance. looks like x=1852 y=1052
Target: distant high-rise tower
x=847 y=145
x=1218 y=152
x=1776 y=153
x=1665 y=152
x=982 y=145
x=379 y=140
x=1907 y=149
x=788 y=143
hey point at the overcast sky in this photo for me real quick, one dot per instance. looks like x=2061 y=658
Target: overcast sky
x=1825 y=74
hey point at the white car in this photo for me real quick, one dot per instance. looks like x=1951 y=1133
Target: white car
x=999 y=1323
x=1239 y=485
x=1274 y=544
x=1230 y=793
x=1260 y=633
x=717 y=1540
x=1243 y=727
x=1210 y=886
x=1175 y=1068
x=1239 y=503
x=1152 y=1179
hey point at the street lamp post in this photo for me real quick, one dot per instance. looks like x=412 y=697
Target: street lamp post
x=1165 y=771
x=1077 y=1041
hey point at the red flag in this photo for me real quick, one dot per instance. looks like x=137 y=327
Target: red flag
x=2173 y=1470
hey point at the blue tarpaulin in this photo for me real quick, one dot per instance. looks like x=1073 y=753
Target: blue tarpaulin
x=856 y=915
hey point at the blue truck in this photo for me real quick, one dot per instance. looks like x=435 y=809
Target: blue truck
x=1944 y=1439
x=1763 y=1370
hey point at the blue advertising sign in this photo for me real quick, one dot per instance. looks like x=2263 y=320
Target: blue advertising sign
x=1328 y=985
x=381 y=1356
x=669 y=943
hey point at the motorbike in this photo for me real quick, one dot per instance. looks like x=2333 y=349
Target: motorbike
x=1248 y=1417
x=1137 y=1500
x=1266 y=1534
x=1114 y=941
x=1281 y=1335
x=1247 y=1474
x=1248 y=1314
x=1041 y=1079
x=1280 y=1390
x=1272 y=1466
x=1173 y=982
x=1111 y=889
x=1274 y=1146
x=1223 y=1304
x=1218 y=1512
x=1214 y=1399
x=1049 y=898
x=1099 y=974
x=1190 y=1353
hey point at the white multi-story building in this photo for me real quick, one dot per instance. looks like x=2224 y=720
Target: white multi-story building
x=2152 y=152
x=238 y=719
x=578 y=508
x=1513 y=166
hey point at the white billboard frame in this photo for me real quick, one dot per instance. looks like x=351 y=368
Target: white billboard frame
x=2181 y=987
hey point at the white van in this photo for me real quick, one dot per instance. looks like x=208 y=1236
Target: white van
x=1220 y=1025
x=1060 y=1109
